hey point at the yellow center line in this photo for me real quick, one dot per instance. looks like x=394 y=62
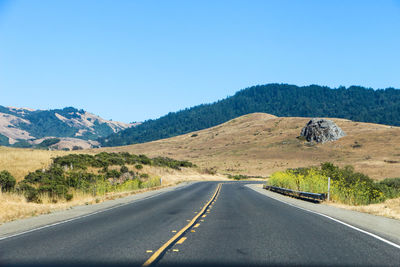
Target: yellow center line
x=164 y=247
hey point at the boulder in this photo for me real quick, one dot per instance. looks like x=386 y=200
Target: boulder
x=321 y=131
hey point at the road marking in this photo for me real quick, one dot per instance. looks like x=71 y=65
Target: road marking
x=181 y=240
x=197 y=225
x=149 y=251
x=339 y=221
x=164 y=247
x=174 y=231
x=175 y=250
x=204 y=216
x=202 y=220
x=193 y=231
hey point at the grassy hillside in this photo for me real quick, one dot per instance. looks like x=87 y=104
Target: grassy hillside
x=260 y=144
x=354 y=103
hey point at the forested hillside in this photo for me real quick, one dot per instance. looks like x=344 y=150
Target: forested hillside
x=354 y=103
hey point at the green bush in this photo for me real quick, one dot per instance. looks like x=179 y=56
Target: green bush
x=347 y=186
x=171 y=163
x=390 y=187
x=7 y=181
x=238 y=176
x=70 y=171
x=139 y=166
x=113 y=174
x=30 y=193
x=68 y=197
x=124 y=169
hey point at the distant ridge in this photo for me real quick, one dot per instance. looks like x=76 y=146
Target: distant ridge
x=67 y=128
x=355 y=103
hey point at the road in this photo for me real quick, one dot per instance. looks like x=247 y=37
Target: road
x=240 y=228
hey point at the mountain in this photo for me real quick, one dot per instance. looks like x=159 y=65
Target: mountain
x=57 y=128
x=259 y=144
x=355 y=103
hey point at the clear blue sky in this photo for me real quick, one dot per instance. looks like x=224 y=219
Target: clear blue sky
x=136 y=60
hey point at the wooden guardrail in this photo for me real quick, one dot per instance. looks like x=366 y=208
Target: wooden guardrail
x=298 y=194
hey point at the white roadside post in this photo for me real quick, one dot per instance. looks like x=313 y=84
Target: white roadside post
x=329 y=188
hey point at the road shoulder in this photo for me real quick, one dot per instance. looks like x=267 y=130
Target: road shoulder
x=34 y=223
x=381 y=226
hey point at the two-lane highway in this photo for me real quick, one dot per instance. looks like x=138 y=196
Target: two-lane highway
x=241 y=227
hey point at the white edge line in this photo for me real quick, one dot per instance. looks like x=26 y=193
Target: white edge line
x=87 y=215
x=338 y=221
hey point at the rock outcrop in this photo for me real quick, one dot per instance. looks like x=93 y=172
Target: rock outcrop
x=321 y=131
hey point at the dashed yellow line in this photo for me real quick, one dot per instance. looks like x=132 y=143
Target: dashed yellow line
x=164 y=247
x=181 y=240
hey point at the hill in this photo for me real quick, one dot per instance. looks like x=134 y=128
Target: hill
x=57 y=128
x=260 y=144
x=353 y=103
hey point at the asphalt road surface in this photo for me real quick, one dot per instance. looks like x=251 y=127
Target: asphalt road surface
x=240 y=227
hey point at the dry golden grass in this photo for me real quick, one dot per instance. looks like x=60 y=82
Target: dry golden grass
x=14 y=206
x=260 y=144
x=19 y=162
x=390 y=208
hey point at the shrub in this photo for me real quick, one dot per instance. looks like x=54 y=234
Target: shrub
x=144 y=160
x=30 y=193
x=238 y=176
x=144 y=176
x=68 y=197
x=139 y=166
x=113 y=174
x=347 y=186
x=212 y=170
x=7 y=181
x=390 y=187
x=124 y=169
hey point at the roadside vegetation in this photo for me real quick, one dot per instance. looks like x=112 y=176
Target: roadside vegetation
x=347 y=186
x=96 y=175
x=243 y=177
